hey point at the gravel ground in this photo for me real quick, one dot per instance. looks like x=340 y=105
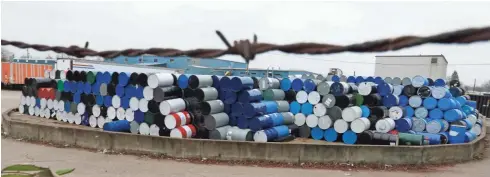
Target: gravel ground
x=101 y=164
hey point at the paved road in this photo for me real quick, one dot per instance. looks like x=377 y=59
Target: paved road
x=104 y=165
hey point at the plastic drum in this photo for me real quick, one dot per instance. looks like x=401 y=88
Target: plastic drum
x=415 y=101
x=421 y=112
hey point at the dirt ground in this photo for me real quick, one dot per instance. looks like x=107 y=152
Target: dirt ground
x=99 y=164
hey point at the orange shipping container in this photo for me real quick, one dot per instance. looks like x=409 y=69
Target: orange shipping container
x=15 y=72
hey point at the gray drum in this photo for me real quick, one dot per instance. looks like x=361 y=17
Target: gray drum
x=269 y=83
x=237 y=134
x=304 y=131
x=418 y=124
x=282 y=106
x=323 y=88
x=160 y=80
x=388 y=80
x=343 y=78
x=396 y=81
x=304 y=76
x=206 y=94
x=214 y=121
x=134 y=127
x=58 y=95
x=161 y=93
x=212 y=107
x=329 y=77
x=421 y=112
x=103 y=89
x=200 y=81
x=288 y=118
x=329 y=100
x=335 y=113
x=219 y=133
x=320 y=77
x=172 y=106
x=406 y=81
x=310 y=76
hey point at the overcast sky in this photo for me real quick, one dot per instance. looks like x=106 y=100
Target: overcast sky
x=188 y=25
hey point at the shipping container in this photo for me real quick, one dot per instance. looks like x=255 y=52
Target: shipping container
x=15 y=71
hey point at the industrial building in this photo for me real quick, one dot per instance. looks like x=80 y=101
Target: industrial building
x=208 y=66
x=432 y=66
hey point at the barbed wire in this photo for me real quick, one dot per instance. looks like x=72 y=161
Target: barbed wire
x=248 y=50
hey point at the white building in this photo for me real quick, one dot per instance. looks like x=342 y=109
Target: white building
x=432 y=66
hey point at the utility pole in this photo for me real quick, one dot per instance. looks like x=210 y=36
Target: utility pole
x=474 y=85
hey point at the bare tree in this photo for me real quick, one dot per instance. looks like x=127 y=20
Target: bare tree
x=455 y=75
x=486 y=86
x=6 y=54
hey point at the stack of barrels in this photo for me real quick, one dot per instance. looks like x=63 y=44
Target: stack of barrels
x=270 y=118
x=371 y=110
x=352 y=110
x=202 y=95
x=37 y=97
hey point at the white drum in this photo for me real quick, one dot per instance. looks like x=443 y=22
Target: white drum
x=129 y=114
x=314 y=97
x=324 y=122
x=320 y=109
x=365 y=88
x=154 y=130
x=44 y=103
x=396 y=112
x=144 y=128
x=385 y=125
x=81 y=108
x=352 y=113
x=120 y=113
x=301 y=97
x=360 y=125
x=100 y=122
x=299 y=119
x=116 y=101
x=77 y=118
x=147 y=93
x=92 y=121
x=340 y=126
x=311 y=121
x=415 y=101
x=96 y=110
x=143 y=105
x=111 y=113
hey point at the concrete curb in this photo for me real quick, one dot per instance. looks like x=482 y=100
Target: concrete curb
x=37 y=129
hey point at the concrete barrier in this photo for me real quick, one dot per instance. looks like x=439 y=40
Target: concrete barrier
x=38 y=129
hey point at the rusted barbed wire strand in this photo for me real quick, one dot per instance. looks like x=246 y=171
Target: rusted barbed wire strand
x=248 y=50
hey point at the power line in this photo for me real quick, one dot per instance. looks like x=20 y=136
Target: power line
x=248 y=50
